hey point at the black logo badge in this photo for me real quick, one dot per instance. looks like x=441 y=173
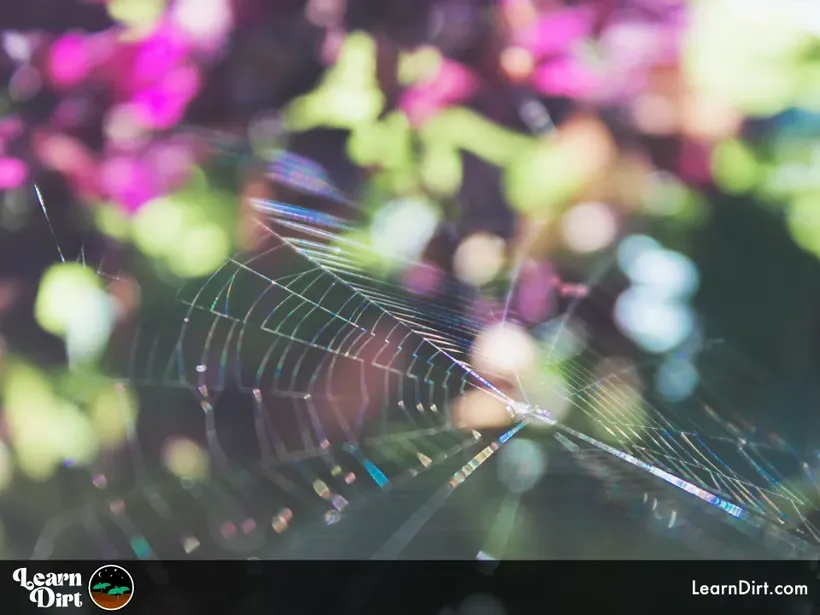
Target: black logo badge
x=111 y=587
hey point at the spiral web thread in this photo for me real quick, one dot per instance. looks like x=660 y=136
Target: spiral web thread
x=351 y=381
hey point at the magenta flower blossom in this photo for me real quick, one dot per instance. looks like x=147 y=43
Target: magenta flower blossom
x=143 y=174
x=146 y=86
x=153 y=56
x=555 y=33
x=163 y=104
x=453 y=84
x=554 y=42
x=573 y=61
x=69 y=62
x=171 y=162
x=72 y=59
x=130 y=182
x=13 y=173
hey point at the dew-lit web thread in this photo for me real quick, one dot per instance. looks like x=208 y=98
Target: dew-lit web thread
x=306 y=176
x=447 y=322
x=695 y=445
x=436 y=332
x=685 y=454
x=86 y=515
x=591 y=392
x=311 y=320
x=282 y=167
x=100 y=268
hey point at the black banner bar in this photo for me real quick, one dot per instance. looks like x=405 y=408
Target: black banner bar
x=438 y=588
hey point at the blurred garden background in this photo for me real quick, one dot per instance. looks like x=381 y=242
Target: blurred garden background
x=649 y=167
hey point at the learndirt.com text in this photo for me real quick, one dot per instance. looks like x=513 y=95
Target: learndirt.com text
x=748 y=588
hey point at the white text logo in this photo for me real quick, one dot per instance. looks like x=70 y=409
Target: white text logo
x=46 y=589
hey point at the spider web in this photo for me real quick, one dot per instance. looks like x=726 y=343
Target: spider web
x=348 y=382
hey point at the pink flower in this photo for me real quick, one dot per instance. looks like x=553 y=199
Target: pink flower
x=134 y=66
x=98 y=78
x=157 y=54
x=171 y=161
x=556 y=33
x=452 y=84
x=163 y=104
x=69 y=61
x=572 y=62
x=632 y=42
x=566 y=77
x=13 y=173
x=560 y=43
x=129 y=181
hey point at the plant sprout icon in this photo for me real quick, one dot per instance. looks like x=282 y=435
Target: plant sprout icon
x=111 y=587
